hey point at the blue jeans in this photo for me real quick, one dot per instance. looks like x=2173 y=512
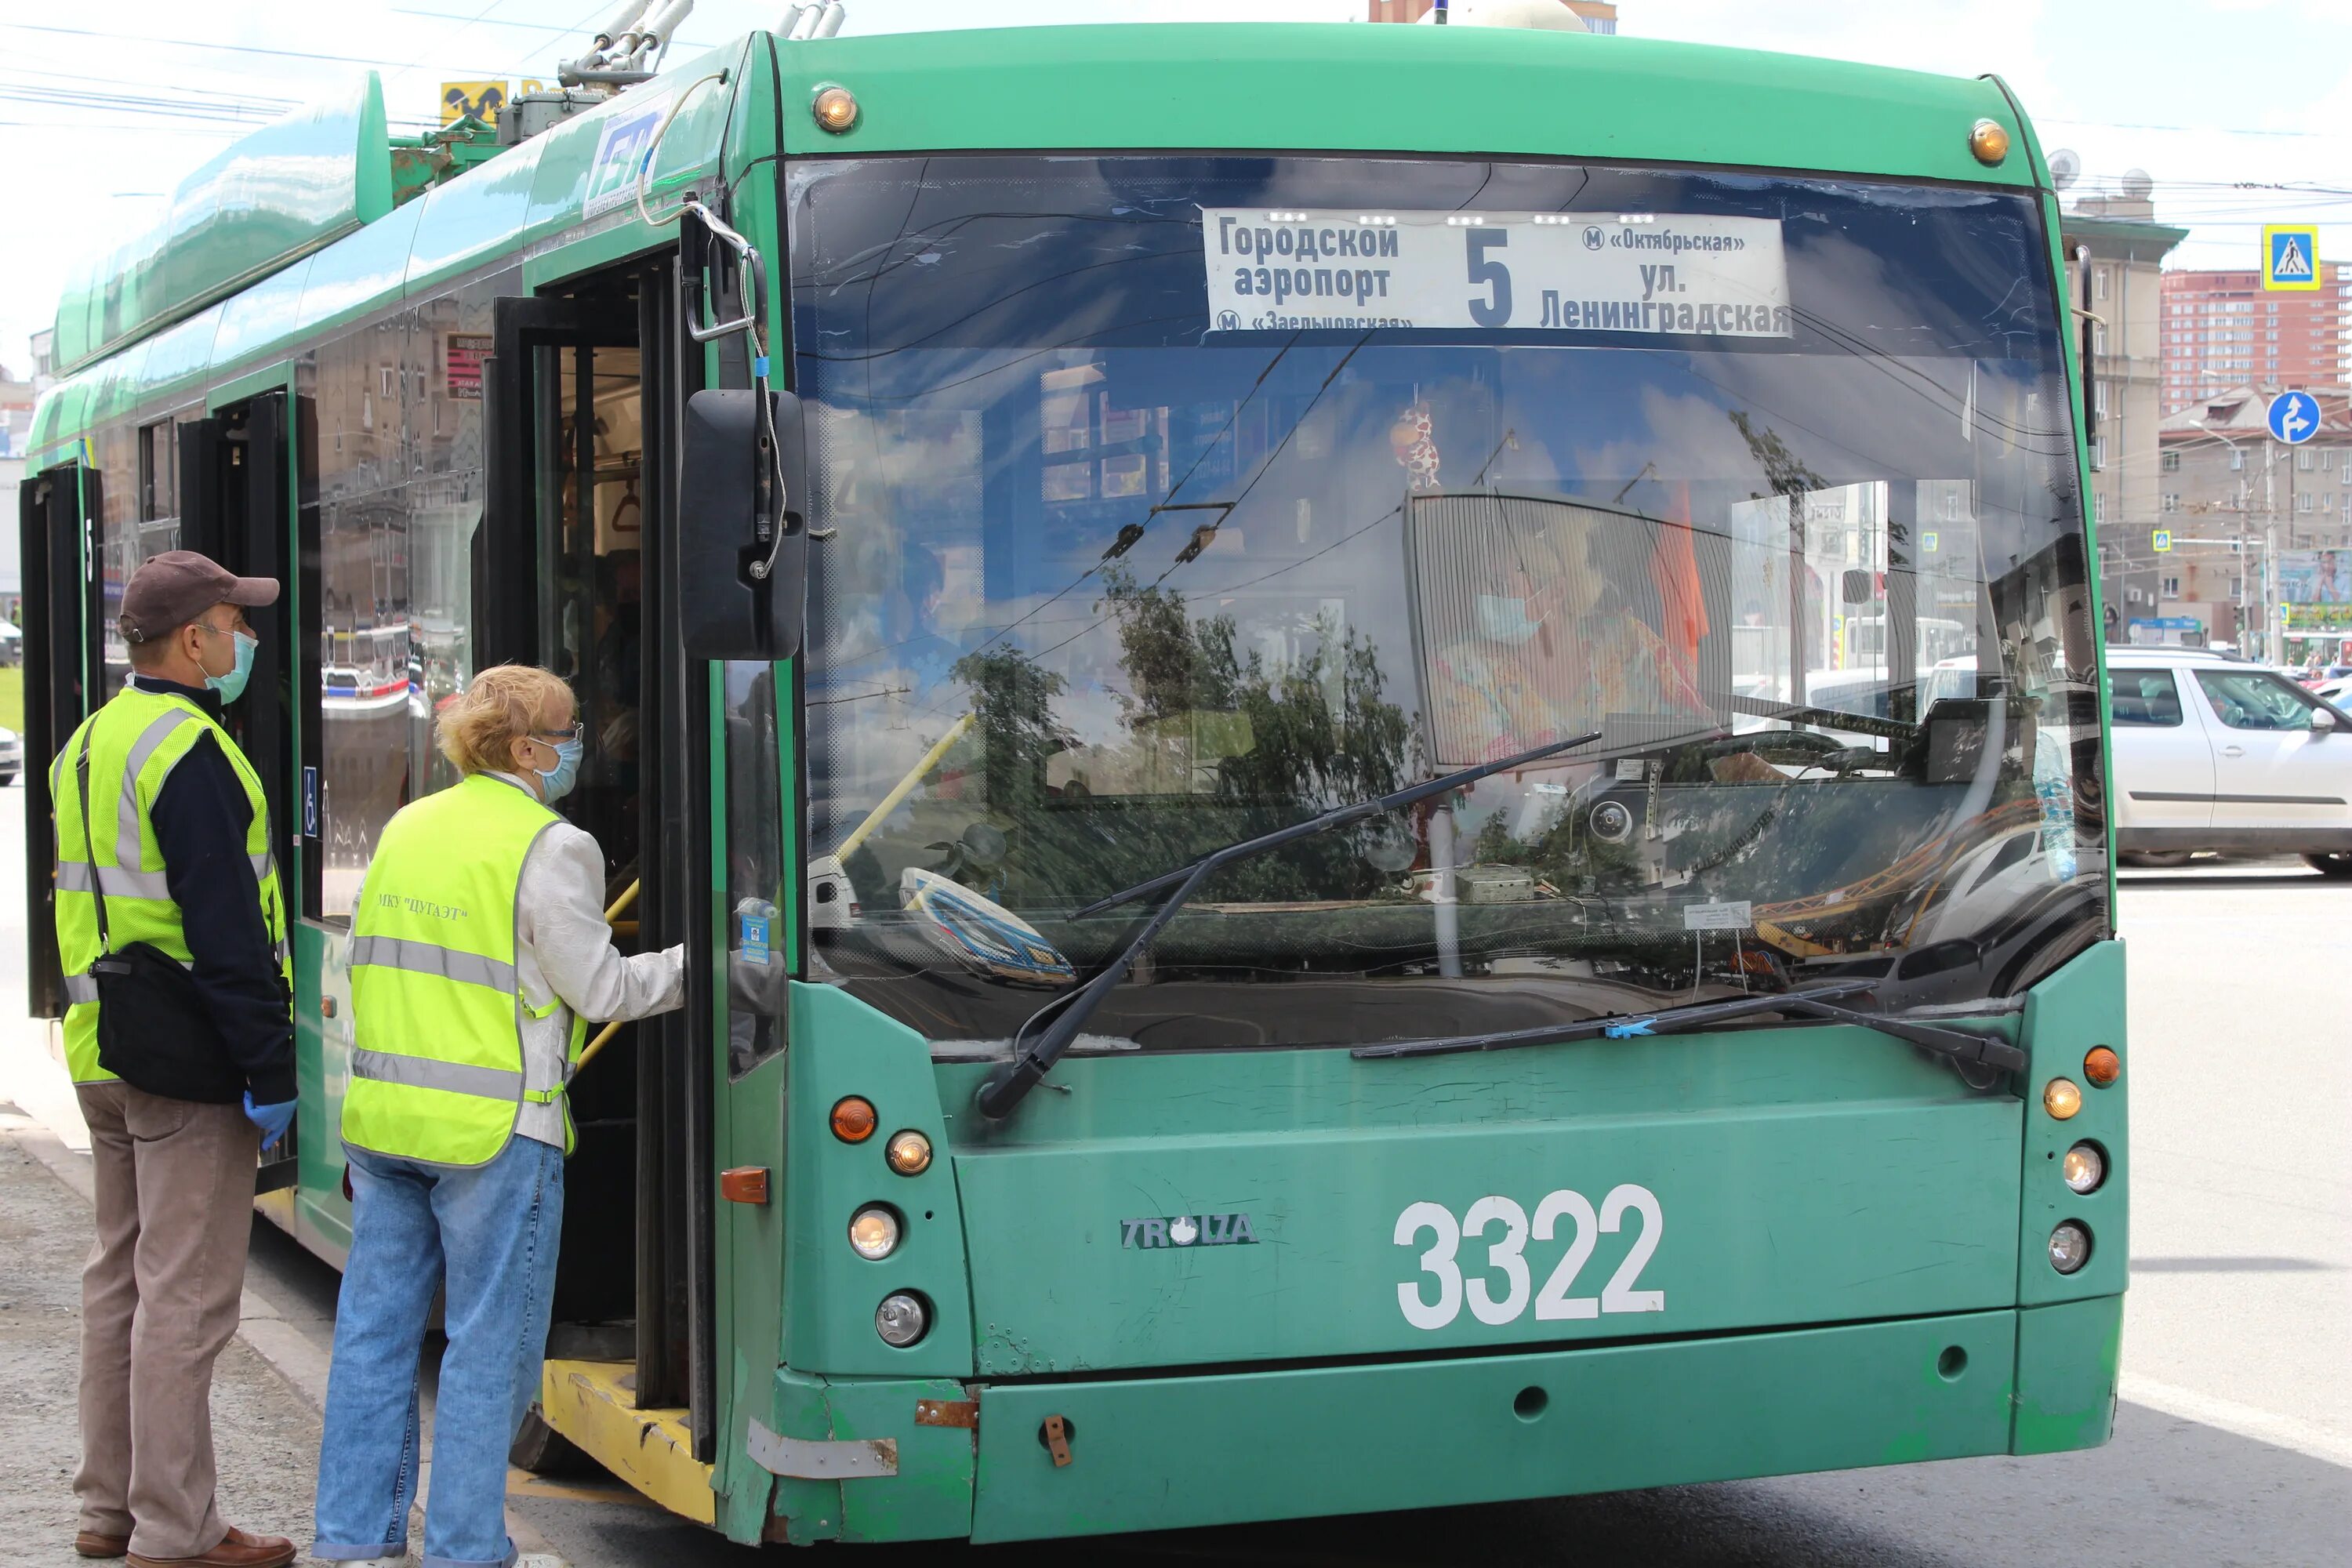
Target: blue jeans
x=493 y=1230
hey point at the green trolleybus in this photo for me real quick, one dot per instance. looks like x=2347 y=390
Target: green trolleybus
x=1380 y=748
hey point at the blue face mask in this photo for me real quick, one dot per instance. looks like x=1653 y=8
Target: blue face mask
x=231 y=686
x=557 y=782
x=1505 y=620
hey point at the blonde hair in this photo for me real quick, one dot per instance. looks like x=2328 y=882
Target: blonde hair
x=477 y=728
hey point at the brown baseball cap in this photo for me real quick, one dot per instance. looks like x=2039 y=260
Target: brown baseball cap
x=178 y=586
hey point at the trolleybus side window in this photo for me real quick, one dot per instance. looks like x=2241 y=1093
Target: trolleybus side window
x=759 y=959
x=139 y=518
x=390 y=621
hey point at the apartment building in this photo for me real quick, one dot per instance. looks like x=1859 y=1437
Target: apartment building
x=2223 y=330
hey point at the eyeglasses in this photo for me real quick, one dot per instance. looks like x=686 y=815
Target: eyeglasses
x=579 y=731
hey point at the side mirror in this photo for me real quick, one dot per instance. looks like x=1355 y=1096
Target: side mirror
x=2322 y=721
x=743 y=524
x=1855 y=586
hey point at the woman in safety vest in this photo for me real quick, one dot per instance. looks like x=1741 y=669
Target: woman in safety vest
x=478 y=950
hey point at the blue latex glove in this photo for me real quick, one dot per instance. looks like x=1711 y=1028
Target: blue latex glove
x=273 y=1120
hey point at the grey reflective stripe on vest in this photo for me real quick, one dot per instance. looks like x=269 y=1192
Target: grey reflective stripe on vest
x=424 y=1072
x=126 y=832
x=81 y=987
x=74 y=877
x=426 y=958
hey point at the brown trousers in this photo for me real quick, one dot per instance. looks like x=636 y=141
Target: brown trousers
x=159 y=1299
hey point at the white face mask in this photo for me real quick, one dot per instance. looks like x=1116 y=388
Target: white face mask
x=1504 y=619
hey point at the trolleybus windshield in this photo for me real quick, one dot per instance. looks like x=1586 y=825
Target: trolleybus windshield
x=1176 y=499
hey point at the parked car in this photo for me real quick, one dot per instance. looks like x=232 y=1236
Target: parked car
x=12 y=756
x=12 y=645
x=2234 y=758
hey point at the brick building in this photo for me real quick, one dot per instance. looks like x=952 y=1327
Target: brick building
x=2223 y=330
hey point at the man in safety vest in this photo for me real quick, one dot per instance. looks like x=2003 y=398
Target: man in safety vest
x=176 y=840
x=478 y=949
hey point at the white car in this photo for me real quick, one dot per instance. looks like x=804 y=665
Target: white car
x=2236 y=758
x=12 y=756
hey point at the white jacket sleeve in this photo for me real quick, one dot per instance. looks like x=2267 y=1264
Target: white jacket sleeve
x=560 y=918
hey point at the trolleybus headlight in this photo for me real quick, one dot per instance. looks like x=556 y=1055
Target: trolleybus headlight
x=853 y=1120
x=2061 y=1098
x=2085 y=1167
x=901 y=1318
x=2102 y=1067
x=874 y=1231
x=1989 y=139
x=909 y=1153
x=2070 y=1246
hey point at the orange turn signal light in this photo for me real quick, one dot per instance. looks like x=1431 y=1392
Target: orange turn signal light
x=2102 y=1067
x=853 y=1120
x=744 y=1185
x=834 y=108
x=1989 y=139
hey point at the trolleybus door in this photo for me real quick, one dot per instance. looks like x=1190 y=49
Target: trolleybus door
x=235 y=506
x=57 y=513
x=571 y=573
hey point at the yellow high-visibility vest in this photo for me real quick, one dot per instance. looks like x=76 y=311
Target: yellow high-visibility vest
x=438 y=1070
x=135 y=741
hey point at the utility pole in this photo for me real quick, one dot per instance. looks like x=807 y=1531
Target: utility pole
x=2275 y=642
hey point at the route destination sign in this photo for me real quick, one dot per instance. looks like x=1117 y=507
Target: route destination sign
x=1661 y=274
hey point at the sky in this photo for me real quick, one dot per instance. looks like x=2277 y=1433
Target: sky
x=2231 y=105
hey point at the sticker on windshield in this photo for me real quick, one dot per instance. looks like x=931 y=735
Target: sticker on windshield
x=1736 y=914
x=1665 y=274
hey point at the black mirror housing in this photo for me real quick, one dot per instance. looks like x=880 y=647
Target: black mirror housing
x=1856 y=586
x=731 y=484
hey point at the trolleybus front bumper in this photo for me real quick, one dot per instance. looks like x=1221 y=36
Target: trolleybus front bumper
x=1153 y=1453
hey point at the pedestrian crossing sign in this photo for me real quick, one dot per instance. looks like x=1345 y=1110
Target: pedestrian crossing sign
x=2291 y=256
x=2163 y=540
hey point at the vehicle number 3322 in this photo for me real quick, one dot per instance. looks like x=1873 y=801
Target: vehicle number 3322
x=1506 y=1256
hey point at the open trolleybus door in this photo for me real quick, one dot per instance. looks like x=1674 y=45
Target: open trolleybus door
x=236 y=507
x=57 y=515
x=580 y=418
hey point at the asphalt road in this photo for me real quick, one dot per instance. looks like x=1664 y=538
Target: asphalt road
x=2233 y=1445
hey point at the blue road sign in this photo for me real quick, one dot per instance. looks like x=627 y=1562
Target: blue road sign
x=2294 y=417
x=2291 y=257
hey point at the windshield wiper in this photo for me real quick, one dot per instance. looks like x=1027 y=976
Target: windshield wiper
x=1979 y=1058
x=1008 y=1084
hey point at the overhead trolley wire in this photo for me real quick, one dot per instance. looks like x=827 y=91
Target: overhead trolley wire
x=199 y=44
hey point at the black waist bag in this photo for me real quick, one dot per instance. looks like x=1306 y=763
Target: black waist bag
x=154 y=1031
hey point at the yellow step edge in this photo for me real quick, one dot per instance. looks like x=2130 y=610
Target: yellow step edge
x=588 y=1402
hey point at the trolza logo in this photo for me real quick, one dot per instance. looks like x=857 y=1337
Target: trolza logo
x=1186 y=1230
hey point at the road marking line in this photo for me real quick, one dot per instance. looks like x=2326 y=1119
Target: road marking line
x=2245 y=1420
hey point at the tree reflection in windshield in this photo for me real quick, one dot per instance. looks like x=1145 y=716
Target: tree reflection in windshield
x=1115 y=582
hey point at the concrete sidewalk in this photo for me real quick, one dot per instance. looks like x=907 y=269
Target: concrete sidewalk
x=265 y=1431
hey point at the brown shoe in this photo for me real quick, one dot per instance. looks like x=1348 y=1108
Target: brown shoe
x=91 y=1543
x=237 y=1549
